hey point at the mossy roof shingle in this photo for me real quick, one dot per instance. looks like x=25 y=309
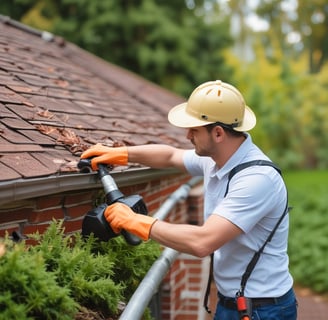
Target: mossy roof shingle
x=57 y=99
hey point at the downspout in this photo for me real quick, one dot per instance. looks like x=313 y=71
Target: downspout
x=150 y=283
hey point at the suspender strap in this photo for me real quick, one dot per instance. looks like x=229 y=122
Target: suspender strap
x=245 y=165
x=256 y=256
x=251 y=265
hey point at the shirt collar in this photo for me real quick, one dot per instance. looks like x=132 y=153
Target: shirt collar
x=234 y=160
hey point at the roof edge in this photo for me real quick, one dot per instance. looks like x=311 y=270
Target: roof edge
x=23 y=189
x=45 y=35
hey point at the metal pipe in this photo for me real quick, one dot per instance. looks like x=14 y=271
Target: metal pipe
x=180 y=194
x=150 y=283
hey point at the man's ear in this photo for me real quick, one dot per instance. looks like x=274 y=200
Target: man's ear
x=218 y=131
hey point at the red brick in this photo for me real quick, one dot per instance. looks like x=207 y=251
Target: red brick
x=9 y=215
x=81 y=197
x=33 y=228
x=49 y=201
x=46 y=215
x=31 y=242
x=194 y=279
x=180 y=276
x=152 y=207
x=195 y=269
x=165 y=316
x=135 y=189
x=192 y=305
x=72 y=226
x=155 y=196
x=78 y=211
x=155 y=183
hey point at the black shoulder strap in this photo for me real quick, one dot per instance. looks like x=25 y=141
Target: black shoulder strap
x=256 y=256
x=245 y=165
x=251 y=265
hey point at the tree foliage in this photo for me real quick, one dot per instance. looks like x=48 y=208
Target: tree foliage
x=309 y=22
x=291 y=106
x=313 y=26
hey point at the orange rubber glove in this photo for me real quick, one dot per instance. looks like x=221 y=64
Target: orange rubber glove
x=106 y=155
x=120 y=216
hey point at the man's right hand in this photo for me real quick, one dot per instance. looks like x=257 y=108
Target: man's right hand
x=106 y=155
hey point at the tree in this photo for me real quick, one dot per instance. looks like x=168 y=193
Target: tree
x=312 y=24
x=241 y=32
x=308 y=23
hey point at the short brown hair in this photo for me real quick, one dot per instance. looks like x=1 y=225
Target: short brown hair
x=226 y=127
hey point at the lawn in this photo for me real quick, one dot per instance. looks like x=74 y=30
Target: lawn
x=308 y=238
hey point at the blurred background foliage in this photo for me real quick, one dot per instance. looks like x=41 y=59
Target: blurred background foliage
x=274 y=51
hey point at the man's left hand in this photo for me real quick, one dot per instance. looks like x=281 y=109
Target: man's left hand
x=120 y=216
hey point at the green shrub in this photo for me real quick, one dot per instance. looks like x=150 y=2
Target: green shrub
x=28 y=291
x=63 y=274
x=131 y=262
x=88 y=275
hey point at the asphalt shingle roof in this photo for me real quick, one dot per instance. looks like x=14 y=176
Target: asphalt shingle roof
x=57 y=99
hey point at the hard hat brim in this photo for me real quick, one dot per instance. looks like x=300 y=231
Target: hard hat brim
x=178 y=117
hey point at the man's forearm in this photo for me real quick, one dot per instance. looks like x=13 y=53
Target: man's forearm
x=157 y=156
x=199 y=241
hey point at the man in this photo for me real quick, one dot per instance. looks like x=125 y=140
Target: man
x=237 y=223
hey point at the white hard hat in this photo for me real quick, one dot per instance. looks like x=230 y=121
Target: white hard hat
x=214 y=101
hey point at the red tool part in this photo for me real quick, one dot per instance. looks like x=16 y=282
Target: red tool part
x=244 y=307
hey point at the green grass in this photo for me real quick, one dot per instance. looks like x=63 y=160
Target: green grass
x=304 y=179
x=308 y=237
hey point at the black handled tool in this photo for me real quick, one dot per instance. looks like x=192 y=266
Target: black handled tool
x=94 y=221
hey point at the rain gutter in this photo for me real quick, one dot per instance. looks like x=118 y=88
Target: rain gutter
x=150 y=283
x=22 y=189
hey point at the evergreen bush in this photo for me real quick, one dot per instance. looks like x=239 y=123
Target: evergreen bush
x=28 y=290
x=64 y=275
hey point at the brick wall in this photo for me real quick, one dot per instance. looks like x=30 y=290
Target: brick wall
x=36 y=214
x=181 y=289
x=184 y=286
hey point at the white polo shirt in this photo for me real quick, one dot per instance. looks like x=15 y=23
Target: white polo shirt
x=255 y=201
